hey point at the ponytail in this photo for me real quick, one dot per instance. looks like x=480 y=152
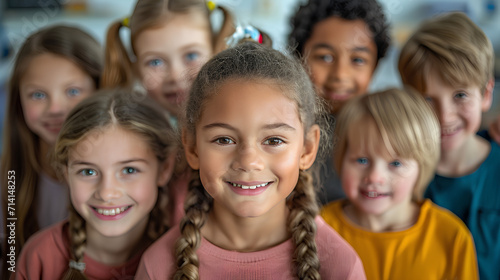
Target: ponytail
x=117 y=67
x=303 y=210
x=197 y=205
x=226 y=30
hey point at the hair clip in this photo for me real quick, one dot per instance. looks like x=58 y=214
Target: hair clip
x=211 y=5
x=248 y=32
x=80 y=266
x=126 y=22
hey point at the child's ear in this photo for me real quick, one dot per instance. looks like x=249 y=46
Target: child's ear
x=166 y=170
x=310 y=149
x=488 y=95
x=189 y=144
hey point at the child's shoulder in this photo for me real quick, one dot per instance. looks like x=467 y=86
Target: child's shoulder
x=159 y=259
x=47 y=240
x=440 y=219
x=45 y=255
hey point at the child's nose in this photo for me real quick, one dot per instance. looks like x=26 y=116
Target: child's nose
x=376 y=175
x=247 y=159
x=339 y=70
x=176 y=72
x=108 y=189
x=445 y=112
x=57 y=105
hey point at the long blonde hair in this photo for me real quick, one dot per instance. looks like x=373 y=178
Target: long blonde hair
x=407 y=124
x=136 y=113
x=148 y=14
x=253 y=61
x=20 y=144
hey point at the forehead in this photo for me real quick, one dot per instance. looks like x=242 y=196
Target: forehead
x=110 y=144
x=364 y=137
x=341 y=33
x=258 y=101
x=178 y=30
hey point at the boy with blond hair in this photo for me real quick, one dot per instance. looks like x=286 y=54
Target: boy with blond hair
x=449 y=60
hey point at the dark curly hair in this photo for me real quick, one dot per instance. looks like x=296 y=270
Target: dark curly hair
x=314 y=11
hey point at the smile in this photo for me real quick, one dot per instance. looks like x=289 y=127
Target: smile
x=373 y=194
x=249 y=187
x=112 y=211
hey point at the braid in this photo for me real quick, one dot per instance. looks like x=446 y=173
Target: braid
x=78 y=240
x=159 y=218
x=304 y=209
x=197 y=205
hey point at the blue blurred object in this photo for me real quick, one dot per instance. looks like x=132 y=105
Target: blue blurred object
x=435 y=8
x=4 y=43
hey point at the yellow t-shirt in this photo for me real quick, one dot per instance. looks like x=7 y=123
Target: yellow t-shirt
x=439 y=246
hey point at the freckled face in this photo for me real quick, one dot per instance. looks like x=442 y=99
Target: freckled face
x=342 y=56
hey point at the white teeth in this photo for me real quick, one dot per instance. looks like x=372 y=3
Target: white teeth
x=111 y=212
x=249 y=187
x=372 y=194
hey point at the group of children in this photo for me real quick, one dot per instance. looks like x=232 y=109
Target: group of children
x=198 y=160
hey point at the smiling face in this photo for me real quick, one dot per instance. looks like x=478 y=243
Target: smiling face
x=375 y=181
x=342 y=57
x=458 y=109
x=249 y=147
x=170 y=56
x=51 y=86
x=113 y=177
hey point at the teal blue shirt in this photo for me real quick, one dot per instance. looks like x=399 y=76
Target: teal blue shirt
x=475 y=198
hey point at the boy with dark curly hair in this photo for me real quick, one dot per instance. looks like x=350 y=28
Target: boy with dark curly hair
x=341 y=42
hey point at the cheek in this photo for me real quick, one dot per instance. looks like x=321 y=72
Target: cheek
x=151 y=80
x=32 y=112
x=318 y=74
x=146 y=195
x=363 y=80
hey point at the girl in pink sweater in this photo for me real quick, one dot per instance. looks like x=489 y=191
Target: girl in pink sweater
x=116 y=151
x=251 y=135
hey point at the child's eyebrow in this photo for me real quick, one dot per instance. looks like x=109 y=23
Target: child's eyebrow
x=80 y=162
x=267 y=126
x=361 y=49
x=323 y=46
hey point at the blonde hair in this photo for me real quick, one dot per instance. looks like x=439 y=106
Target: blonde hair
x=148 y=14
x=20 y=144
x=134 y=112
x=251 y=61
x=453 y=47
x=407 y=125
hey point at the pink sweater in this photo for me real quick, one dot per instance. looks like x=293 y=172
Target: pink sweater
x=46 y=256
x=338 y=259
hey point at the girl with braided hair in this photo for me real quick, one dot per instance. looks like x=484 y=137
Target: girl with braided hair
x=116 y=151
x=251 y=132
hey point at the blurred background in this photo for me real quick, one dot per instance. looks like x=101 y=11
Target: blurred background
x=19 y=18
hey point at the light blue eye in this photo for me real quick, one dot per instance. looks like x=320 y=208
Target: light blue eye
x=362 y=160
x=326 y=58
x=358 y=60
x=37 y=95
x=192 y=56
x=129 y=170
x=155 y=62
x=461 y=95
x=88 y=172
x=73 y=92
x=396 y=163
